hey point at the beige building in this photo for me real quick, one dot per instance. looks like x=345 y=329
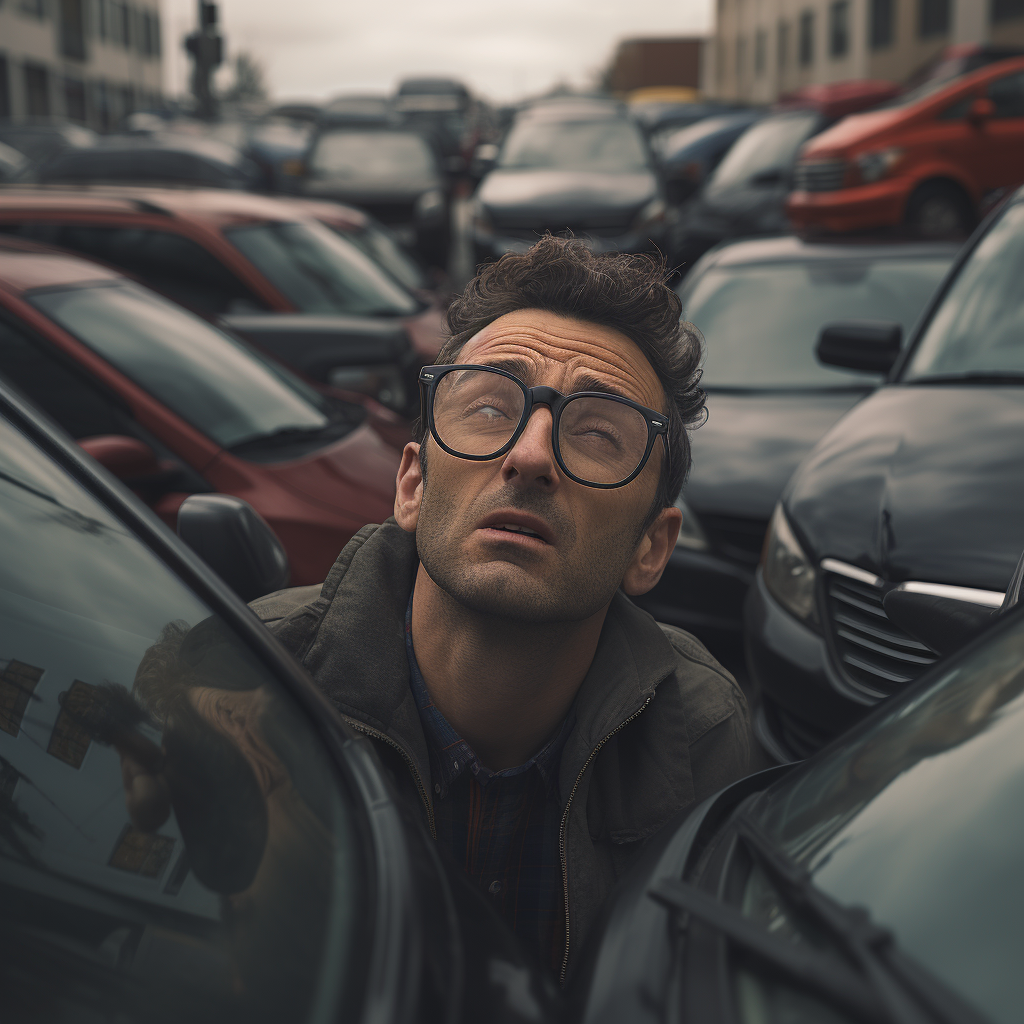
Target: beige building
x=92 y=61
x=764 y=48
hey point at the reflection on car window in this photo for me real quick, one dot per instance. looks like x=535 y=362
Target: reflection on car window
x=174 y=843
x=761 y=323
x=979 y=326
x=612 y=147
x=770 y=146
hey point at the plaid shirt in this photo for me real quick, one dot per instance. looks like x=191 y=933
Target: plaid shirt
x=501 y=827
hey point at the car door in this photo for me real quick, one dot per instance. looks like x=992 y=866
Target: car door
x=1006 y=130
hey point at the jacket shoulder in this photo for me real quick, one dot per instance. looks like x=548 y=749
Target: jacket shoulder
x=272 y=608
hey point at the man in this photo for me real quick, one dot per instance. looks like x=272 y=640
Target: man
x=484 y=638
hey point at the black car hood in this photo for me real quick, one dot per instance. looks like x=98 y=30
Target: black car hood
x=752 y=443
x=923 y=483
x=567 y=195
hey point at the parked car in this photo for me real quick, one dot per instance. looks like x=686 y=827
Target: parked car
x=878 y=881
x=761 y=305
x=926 y=163
x=337 y=316
x=745 y=195
x=188 y=829
x=12 y=163
x=918 y=489
x=570 y=167
x=38 y=138
x=175 y=407
x=394 y=174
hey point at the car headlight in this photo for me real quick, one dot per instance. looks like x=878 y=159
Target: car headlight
x=430 y=204
x=652 y=213
x=876 y=165
x=788 y=572
x=691 y=536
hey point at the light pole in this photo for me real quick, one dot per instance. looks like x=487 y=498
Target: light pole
x=206 y=48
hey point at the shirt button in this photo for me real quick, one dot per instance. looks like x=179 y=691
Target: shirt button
x=494 y=888
x=437 y=788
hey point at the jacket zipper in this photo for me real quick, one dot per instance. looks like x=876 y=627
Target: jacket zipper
x=565 y=820
x=376 y=734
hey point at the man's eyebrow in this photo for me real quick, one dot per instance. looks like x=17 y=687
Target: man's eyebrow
x=588 y=382
x=517 y=367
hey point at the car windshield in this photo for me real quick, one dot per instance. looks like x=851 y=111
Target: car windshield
x=978 y=328
x=761 y=322
x=917 y=818
x=320 y=272
x=175 y=841
x=372 y=156
x=220 y=386
x=765 y=148
x=379 y=244
x=610 y=147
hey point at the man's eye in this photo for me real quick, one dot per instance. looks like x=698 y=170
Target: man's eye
x=487 y=411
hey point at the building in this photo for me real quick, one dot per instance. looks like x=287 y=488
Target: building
x=90 y=61
x=764 y=48
x=643 y=63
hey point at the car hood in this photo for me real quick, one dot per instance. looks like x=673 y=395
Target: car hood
x=918 y=482
x=752 y=443
x=567 y=194
x=853 y=131
x=359 y=191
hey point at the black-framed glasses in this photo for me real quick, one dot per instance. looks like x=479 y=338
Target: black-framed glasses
x=479 y=412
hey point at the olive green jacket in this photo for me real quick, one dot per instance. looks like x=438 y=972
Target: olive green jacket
x=659 y=724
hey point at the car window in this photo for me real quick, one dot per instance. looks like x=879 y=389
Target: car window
x=213 y=382
x=175 y=842
x=380 y=245
x=372 y=156
x=918 y=820
x=761 y=323
x=978 y=328
x=1007 y=95
x=171 y=263
x=612 y=146
x=319 y=272
x=768 y=147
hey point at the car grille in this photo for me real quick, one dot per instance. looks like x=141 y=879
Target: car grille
x=733 y=537
x=874 y=653
x=821 y=176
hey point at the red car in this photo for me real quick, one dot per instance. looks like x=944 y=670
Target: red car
x=174 y=406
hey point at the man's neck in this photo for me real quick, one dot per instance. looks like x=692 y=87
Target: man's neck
x=503 y=686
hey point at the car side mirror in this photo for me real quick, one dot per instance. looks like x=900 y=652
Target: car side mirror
x=235 y=542
x=126 y=457
x=871 y=346
x=982 y=109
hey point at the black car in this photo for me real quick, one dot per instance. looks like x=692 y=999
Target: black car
x=571 y=167
x=393 y=174
x=877 y=882
x=761 y=305
x=918 y=490
x=188 y=830
x=40 y=139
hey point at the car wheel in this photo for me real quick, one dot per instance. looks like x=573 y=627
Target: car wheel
x=939 y=210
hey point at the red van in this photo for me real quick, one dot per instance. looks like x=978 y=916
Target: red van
x=927 y=161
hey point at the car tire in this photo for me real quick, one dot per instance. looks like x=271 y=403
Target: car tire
x=939 y=210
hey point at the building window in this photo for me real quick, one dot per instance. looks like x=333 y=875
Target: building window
x=74 y=99
x=37 y=91
x=782 y=45
x=933 y=18
x=882 y=25
x=1007 y=10
x=72 y=29
x=33 y=8
x=839 y=28
x=741 y=57
x=760 y=55
x=806 y=38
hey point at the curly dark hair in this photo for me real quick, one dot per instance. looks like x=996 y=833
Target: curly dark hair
x=627 y=293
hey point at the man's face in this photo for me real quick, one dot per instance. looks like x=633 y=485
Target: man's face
x=588 y=536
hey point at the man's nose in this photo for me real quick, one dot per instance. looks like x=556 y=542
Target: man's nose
x=531 y=460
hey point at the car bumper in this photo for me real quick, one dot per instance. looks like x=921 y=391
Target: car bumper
x=849 y=209
x=805 y=704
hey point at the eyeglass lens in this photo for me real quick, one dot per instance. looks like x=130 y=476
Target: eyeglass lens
x=600 y=440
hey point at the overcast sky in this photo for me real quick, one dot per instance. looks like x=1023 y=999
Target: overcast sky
x=503 y=50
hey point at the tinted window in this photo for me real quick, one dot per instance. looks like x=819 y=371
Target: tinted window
x=1007 y=95
x=761 y=323
x=319 y=272
x=221 y=387
x=372 y=155
x=979 y=326
x=175 y=843
x=166 y=261
x=765 y=148
x=614 y=147
x=380 y=245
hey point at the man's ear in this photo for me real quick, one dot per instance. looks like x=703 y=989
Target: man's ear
x=409 y=488
x=653 y=552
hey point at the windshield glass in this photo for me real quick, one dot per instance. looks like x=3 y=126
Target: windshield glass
x=320 y=272
x=610 y=147
x=176 y=844
x=978 y=327
x=372 y=156
x=221 y=387
x=761 y=323
x=918 y=820
x=766 y=147
x=379 y=244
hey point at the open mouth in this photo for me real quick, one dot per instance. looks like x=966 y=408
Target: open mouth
x=513 y=528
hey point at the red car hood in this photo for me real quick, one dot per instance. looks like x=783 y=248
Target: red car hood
x=852 y=132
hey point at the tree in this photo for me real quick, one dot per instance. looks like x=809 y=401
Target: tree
x=249 y=84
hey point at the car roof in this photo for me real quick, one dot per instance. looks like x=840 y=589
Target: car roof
x=792 y=249
x=26 y=265
x=203 y=205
